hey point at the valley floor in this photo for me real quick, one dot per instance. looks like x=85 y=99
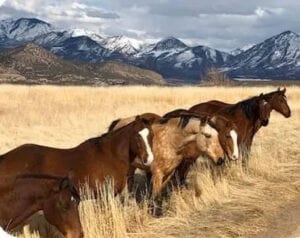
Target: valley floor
x=260 y=202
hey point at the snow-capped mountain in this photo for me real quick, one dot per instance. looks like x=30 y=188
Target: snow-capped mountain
x=24 y=29
x=174 y=59
x=122 y=44
x=277 y=57
x=82 y=32
x=80 y=48
x=241 y=50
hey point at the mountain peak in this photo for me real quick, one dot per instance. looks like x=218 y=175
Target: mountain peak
x=32 y=21
x=24 y=28
x=169 y=43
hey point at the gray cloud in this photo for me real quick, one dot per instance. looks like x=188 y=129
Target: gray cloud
x=219 y=24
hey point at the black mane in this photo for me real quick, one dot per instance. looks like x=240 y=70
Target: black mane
x=184 y=119
x=246 y=106
x=113 y=124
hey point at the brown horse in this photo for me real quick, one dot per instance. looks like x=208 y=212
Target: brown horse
x=248 y=116
x=226 y=134
x=95 y=160
x=23 y=195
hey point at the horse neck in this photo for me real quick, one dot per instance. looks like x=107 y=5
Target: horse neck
x=120 y=141
x=19 y=195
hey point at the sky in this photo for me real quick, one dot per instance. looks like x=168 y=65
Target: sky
x=220 y=24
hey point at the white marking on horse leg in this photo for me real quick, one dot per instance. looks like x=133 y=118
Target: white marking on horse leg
x=233 y=135
x=144 y=134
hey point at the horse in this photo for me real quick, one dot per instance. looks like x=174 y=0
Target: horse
x=23 y=195
x=227 y=137
x=248 y=116
x=118 y=123
x=93 y=161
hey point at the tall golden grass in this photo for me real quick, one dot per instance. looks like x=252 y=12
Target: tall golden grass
x=237 y=204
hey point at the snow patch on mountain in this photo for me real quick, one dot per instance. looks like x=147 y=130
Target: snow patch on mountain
x=82 y=32
x=122 y=44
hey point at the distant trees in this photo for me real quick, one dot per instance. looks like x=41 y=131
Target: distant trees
x=214 y=76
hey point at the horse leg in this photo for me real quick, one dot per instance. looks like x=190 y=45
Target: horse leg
x=130 y=179
x=179 y=177
x=157 y=182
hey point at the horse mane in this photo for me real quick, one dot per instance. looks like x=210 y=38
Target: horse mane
x=184 y=119
x=60 y=179
x=113 y=124
x=269 y=95
x=245 y=105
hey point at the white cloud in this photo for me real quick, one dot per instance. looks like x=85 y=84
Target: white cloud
x=219 y=24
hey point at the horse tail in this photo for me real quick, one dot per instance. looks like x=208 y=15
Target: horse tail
x=113 y=125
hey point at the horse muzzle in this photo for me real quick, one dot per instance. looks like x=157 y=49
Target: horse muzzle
x=220 y=161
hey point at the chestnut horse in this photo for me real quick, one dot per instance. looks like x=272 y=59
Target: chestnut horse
x=93 y=161
x=248 y=116
x=23 y=195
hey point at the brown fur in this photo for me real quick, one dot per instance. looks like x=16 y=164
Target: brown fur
x=247 y=115
x=55 y=196
x=92 y=161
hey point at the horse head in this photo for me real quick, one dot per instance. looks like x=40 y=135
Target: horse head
x=228 y=136
x=141 y=140
x=278 y=102
x=208 y=141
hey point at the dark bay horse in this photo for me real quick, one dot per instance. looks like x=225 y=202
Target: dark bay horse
x=248 y=116
x=95 y=160
x=23 y=195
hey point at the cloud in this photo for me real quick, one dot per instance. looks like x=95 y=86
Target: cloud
x=219 y=24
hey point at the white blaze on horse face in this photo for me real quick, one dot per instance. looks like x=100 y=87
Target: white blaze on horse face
x=144 y=134
x=233 y=135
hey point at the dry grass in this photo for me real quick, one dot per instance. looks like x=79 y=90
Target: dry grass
x=238 y=204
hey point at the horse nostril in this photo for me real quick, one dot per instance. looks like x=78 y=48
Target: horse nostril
x=220 y=161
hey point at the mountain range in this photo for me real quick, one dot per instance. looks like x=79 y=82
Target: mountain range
x=275 y=58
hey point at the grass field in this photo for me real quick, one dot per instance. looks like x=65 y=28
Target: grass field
x=240 y=204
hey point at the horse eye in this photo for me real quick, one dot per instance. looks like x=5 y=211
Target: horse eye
x=207 y=135
x=228 y=136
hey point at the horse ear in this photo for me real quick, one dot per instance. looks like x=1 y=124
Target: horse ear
x=138 y=117
x=278 y=89
x=261 y=95
x=284 y=90
x=213 y=119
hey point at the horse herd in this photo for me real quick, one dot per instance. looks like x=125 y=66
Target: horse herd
x=35 y=177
